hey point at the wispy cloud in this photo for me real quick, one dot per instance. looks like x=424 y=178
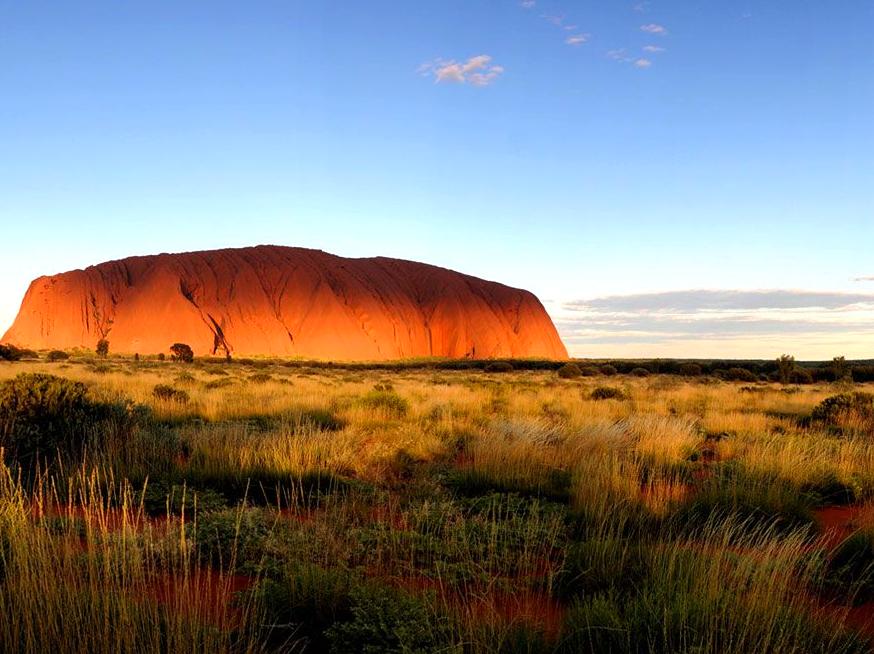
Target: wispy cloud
x=478 y=71
x=577 y=39
x=653 y=49
x=642 y=7
x=619 y=54
x=642 y=63
x=864 y=279
x=527 y=4
x=654 y=28
x=556 y=20
x=719 y=323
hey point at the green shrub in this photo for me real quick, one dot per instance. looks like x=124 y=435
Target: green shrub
x=181 y=352
x=607 y=393
x=9 y=353
x=57 y=355
x=640 y=372
x=12 y=353
x=570 y=371
x=607 y=370
x=499 y=366
x=260 y=378
x=102 y=348
x=305 y=600
x=232 y=535
x=44 y=414
x=170 y=394
x=836 y=409
x=389 y=621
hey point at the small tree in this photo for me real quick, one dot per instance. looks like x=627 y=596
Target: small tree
x=181 y=352
x=102 y=347
x=785 y=366
x=840 y=369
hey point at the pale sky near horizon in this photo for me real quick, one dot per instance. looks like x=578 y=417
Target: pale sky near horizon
x=671 y=178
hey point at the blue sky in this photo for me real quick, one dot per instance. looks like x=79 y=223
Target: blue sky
x=585 y=151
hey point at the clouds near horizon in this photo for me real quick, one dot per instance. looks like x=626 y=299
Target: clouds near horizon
x=704 y=322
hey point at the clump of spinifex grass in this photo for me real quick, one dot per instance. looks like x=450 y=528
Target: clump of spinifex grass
x=732 y=586
x=87 y=574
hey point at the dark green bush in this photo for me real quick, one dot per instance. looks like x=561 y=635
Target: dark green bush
x=57 y=355
x=801 y=376
x=9 y=353
x=607 y=393
x=640 y=372
x=499 y=366
x=170 y=394
x=608 y=370
x=691 y=370
x=391 y=621
x=836 y=409
x=44 y=414
x=741 y=375
x=102 y=347
x=231 y=535
x=570 y=371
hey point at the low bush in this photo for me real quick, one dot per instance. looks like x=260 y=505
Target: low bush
x=570 y=371
x=57 y=355
x=170 y=394
x=44 y=414
x=499 y=366
x=839 y=409
x=607 y=393
x=607 y=370
x=640 y=372
x=388 y=620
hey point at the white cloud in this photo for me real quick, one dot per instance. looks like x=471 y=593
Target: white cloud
x=577 y=39
x=620 y=54
x=864 y=279
x=654 y=49
x=654 y=28
x=641 y=7
x=478 y=70
x=527 y=4
x=721 y=323
x=642 y=63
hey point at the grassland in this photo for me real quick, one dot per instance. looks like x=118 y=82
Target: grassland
x=263 y=508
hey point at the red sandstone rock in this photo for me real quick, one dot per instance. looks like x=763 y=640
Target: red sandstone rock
x=281 y=301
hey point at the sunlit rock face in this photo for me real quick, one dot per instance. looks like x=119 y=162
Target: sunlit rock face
x=283 y=301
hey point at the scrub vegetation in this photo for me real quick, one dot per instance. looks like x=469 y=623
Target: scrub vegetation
x=267 y=506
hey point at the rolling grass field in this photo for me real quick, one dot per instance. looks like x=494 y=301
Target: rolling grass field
x=264 y=508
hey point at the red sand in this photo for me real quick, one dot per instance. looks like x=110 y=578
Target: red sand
x=281 y=301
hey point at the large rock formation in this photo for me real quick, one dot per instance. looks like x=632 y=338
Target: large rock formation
x=282 y=301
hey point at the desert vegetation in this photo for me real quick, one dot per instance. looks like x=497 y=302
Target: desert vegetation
x=268 y=506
